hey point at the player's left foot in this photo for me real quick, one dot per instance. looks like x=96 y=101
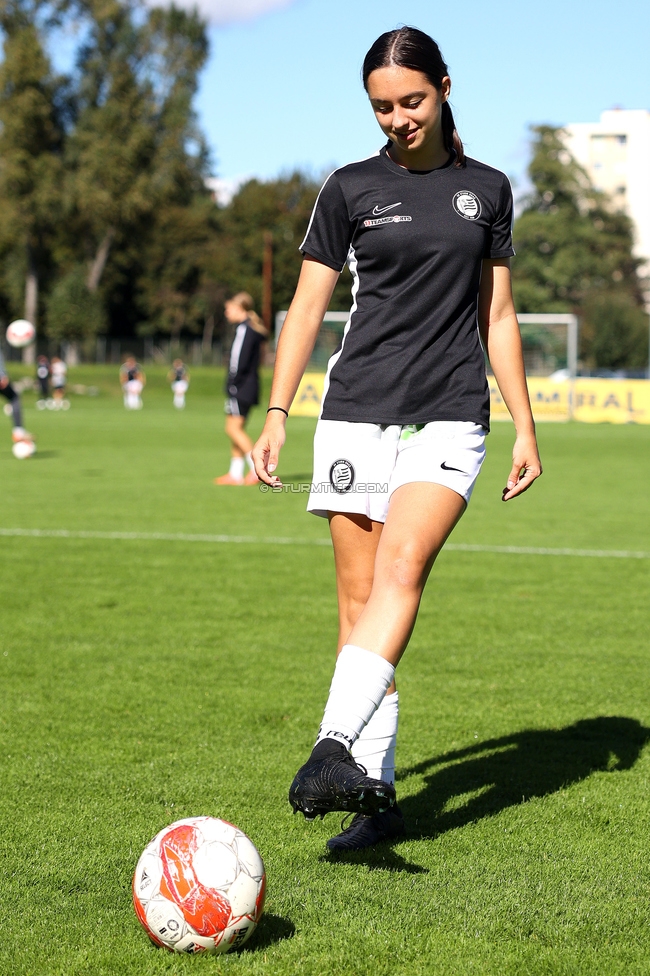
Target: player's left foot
x=331 y=780
x=251 y=478
x=20 y=434
x=365 y=831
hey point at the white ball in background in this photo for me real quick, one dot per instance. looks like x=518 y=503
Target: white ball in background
x=23 y=449
x=20 y=333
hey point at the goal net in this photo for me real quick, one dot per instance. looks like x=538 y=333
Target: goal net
x=327 y=341
x=550 y=342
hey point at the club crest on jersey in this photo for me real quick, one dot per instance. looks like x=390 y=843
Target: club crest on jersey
x=341 y=476
x=467 y=204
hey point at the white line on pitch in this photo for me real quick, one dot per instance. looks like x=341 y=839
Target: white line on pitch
x=285 y=541
x=162 y=537
x=543 y=551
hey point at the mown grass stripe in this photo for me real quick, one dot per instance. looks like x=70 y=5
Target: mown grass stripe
x=285 y=541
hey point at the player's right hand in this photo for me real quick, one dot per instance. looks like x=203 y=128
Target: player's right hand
x=266 y=452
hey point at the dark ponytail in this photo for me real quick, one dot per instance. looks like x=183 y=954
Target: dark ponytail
x=411 y=48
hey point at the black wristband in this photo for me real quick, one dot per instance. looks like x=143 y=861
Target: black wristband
x=285 y=412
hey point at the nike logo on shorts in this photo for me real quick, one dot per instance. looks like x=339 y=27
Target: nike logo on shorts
x=446 y=467
x=381 y=210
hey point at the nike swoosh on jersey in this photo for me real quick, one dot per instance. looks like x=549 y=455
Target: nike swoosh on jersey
x=447 y=467
x=381 y=210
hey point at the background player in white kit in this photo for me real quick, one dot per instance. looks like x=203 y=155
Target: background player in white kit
x=180 y=381
x=133 y=380
x=59 y=374
x=426 y=233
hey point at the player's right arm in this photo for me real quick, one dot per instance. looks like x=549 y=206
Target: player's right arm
x=304 y=318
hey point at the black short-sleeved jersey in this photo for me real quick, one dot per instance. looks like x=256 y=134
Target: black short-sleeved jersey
x=243 y=381
x=414 y=243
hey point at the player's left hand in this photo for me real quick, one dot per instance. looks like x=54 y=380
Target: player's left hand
x=526 y=467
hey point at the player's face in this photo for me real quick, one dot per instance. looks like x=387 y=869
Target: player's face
x=234 y=313
x=409 y=109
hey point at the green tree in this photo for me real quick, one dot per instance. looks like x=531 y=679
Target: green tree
x=174 y=285
x=74 y=313
x=31 y=143
x=136 y=159
x=574 y=254
x=284 y=207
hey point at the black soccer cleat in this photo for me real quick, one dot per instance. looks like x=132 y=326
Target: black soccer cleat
x=331 y=780
x=365 y=831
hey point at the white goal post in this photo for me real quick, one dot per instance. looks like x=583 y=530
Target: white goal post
x=558 y=318
x=334 y=323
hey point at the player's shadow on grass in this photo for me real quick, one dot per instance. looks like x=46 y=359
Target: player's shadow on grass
x=271 y=929
x=465 y=785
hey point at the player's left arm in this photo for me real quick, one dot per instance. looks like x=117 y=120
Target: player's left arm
x=501 y=338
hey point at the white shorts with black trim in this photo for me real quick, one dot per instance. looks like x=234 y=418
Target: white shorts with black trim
x=357 y=467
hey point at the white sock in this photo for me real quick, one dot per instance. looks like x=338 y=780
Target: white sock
x=249 y=461
x=360 y=682
x=237 y=468
x=375 y=747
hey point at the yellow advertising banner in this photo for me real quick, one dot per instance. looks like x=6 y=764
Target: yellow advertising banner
x=549 y=400
x=592 y=401
x=310 y=393
x=612 y=401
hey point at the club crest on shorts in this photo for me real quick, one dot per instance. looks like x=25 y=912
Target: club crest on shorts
x=341 y=476
x=467 y=204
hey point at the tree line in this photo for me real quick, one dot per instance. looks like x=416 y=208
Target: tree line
x=109 y=227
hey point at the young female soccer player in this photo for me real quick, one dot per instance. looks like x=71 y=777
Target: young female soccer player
x=426 y=233
x=242 y=386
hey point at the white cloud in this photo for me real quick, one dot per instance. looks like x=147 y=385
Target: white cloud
x=222 y=12
x=225 y=190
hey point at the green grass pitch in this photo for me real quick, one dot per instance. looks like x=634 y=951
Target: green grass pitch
x=142 y=681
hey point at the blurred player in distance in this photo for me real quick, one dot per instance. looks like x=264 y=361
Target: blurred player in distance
x=427 y=235
x=180 y=381
x=59 y=372
x=242 y=386
x=43 y=378
x=11 y=395
x=133 y=381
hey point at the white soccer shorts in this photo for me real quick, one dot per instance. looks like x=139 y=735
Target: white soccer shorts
x=357 y=467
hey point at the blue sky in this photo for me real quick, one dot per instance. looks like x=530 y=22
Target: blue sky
x=282 y=88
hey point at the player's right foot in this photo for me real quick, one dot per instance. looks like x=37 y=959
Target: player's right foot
x=20 y=434
x=331 y=780
x=227 y=479
x=251 y=479
x=366 y=831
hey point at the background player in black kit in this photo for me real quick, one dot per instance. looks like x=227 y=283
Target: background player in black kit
x=242 y=386
x=426 y=234
x=43 y=377
x=12 y=397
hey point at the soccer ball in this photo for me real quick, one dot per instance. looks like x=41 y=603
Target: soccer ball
x=20 y=333
x=23 y=449
x=199 y=887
